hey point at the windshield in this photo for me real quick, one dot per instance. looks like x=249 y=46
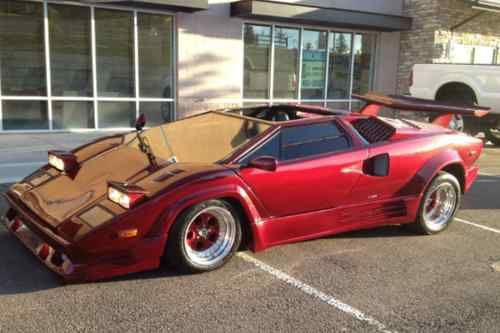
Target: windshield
x=206 y=138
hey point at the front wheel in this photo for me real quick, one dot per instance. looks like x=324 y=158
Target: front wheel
x=204 y=237
x=439 y=205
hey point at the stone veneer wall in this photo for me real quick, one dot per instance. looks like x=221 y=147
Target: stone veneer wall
x=430 y=36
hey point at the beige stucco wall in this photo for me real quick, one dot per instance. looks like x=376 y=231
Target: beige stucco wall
x=210 y=54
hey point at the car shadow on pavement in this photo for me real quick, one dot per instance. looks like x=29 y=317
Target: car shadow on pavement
x=20 y=271
x=380 y=232
x=483 y=194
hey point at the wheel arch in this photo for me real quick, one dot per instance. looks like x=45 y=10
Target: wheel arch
x=235 y=196
x=454 y=86
x=457 y=170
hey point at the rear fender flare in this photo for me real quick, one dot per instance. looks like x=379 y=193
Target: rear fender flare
x=432 y=167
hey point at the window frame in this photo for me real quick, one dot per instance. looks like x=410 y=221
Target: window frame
x=49 y=98
x=325 y=101
x=279 y=132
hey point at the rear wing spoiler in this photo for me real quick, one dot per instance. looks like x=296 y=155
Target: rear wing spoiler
x=375 y=103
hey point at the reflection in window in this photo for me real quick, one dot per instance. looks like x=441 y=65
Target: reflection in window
x=286 y=63
x=257 y=55
x=70 y=59
x=69 y=114
x=155 y=55
x=22 y=57
x=157 y=113
x=116 y=114
x=115 y=53
x=313 y=64
x=25 y=115
x=362 y=76
x=343 y=106
x=339 y=75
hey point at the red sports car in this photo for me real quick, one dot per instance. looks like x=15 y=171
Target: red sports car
x=193 y=191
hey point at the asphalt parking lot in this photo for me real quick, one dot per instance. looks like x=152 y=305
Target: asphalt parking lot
x=379 y=280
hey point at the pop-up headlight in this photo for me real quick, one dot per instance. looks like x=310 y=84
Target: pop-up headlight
x=125 y=195
x=63 y=161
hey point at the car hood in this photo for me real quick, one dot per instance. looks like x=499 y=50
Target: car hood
x=62 y=197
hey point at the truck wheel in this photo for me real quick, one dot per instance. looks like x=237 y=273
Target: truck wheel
x=204 y=237
x=493 y=135
x=459 y=123
x=439 y=205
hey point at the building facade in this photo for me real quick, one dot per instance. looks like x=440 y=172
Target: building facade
x=449 y=31
x=97 y=64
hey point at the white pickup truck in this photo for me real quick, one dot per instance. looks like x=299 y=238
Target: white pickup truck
x=462 y=85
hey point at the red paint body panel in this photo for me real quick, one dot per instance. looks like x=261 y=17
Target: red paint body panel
x=302 y=199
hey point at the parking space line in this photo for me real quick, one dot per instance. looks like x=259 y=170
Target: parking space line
x=311 y=291
x=21 y=164
x=478 y=225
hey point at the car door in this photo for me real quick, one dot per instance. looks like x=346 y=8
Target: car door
x=316 y=170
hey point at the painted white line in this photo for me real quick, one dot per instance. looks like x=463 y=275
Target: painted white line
x=487 y=174
x=311 y=291
x=7 y=180
x=21 y=164
x=478 y=225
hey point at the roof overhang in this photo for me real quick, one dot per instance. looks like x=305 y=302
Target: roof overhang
x=491 y=5
x=174 y=5
x=314 y=15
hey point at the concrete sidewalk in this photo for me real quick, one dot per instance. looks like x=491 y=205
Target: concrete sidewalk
x=21 y=154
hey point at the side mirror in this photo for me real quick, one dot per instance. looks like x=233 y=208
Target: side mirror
x=377 y=166
x=140 y=122
x=266 y=163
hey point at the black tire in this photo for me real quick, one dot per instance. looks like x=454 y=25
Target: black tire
x=493 y=135
x=423 y=224
x=181 y=254
x=470 y=125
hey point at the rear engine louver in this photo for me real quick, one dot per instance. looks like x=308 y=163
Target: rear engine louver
x=373 y=130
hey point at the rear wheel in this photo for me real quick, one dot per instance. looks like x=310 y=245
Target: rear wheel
x=439 y=205
x=204 y=237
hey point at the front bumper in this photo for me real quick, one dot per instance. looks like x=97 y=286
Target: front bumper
x=67 y=260
x=57 y=261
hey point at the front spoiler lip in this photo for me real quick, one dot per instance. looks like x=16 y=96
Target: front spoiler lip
x=77 y=271
x=35 y=225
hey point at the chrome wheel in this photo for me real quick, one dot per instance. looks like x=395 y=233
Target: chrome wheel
x=210 y=236
x=439 y=206
x=457 y=123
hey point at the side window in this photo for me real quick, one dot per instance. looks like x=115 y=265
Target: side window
x=310 y=140
x=270 y=148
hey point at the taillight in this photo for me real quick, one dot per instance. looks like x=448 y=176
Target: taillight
x=125 y=195
x=63 y=161
x=16 y=225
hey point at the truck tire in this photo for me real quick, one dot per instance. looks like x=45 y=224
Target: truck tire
x=493 y=134
x=469 y=125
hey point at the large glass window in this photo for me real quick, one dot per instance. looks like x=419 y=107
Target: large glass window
x=22 y=56
x=363 y=61
x=116 y=114
x=327 y=66
x=70 y=50
x=115 y=53
x=314 y=45
x=339 y=71
x=155 y=56
x=286 y=63
x=257 y=56
x=24 y=115
x=65 y=66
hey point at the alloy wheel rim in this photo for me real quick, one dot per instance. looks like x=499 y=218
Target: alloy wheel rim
x=457 y=123
x=439 y=206
x=210 y=236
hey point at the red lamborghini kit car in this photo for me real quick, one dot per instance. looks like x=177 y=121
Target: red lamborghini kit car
x=191 y=192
